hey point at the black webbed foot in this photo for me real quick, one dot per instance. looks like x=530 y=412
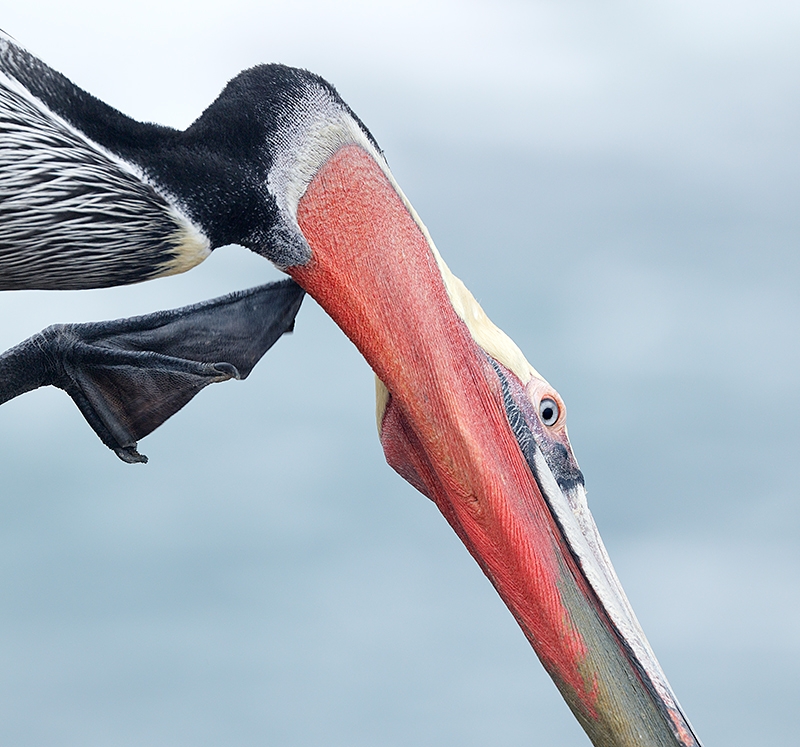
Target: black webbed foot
x=128 y=376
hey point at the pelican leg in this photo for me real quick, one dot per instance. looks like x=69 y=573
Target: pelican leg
x=128 y=376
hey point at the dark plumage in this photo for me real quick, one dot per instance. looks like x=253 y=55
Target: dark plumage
x=91 y=198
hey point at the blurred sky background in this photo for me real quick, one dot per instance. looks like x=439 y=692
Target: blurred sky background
x=618 y=184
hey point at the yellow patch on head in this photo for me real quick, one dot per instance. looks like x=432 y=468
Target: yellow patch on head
x=486 y=334
x=381 y=401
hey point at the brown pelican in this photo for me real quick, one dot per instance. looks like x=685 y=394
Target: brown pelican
x=280 y=164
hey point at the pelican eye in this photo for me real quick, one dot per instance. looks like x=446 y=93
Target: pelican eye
x=548 y=411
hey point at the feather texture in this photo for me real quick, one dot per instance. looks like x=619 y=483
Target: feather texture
x=73 y=215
